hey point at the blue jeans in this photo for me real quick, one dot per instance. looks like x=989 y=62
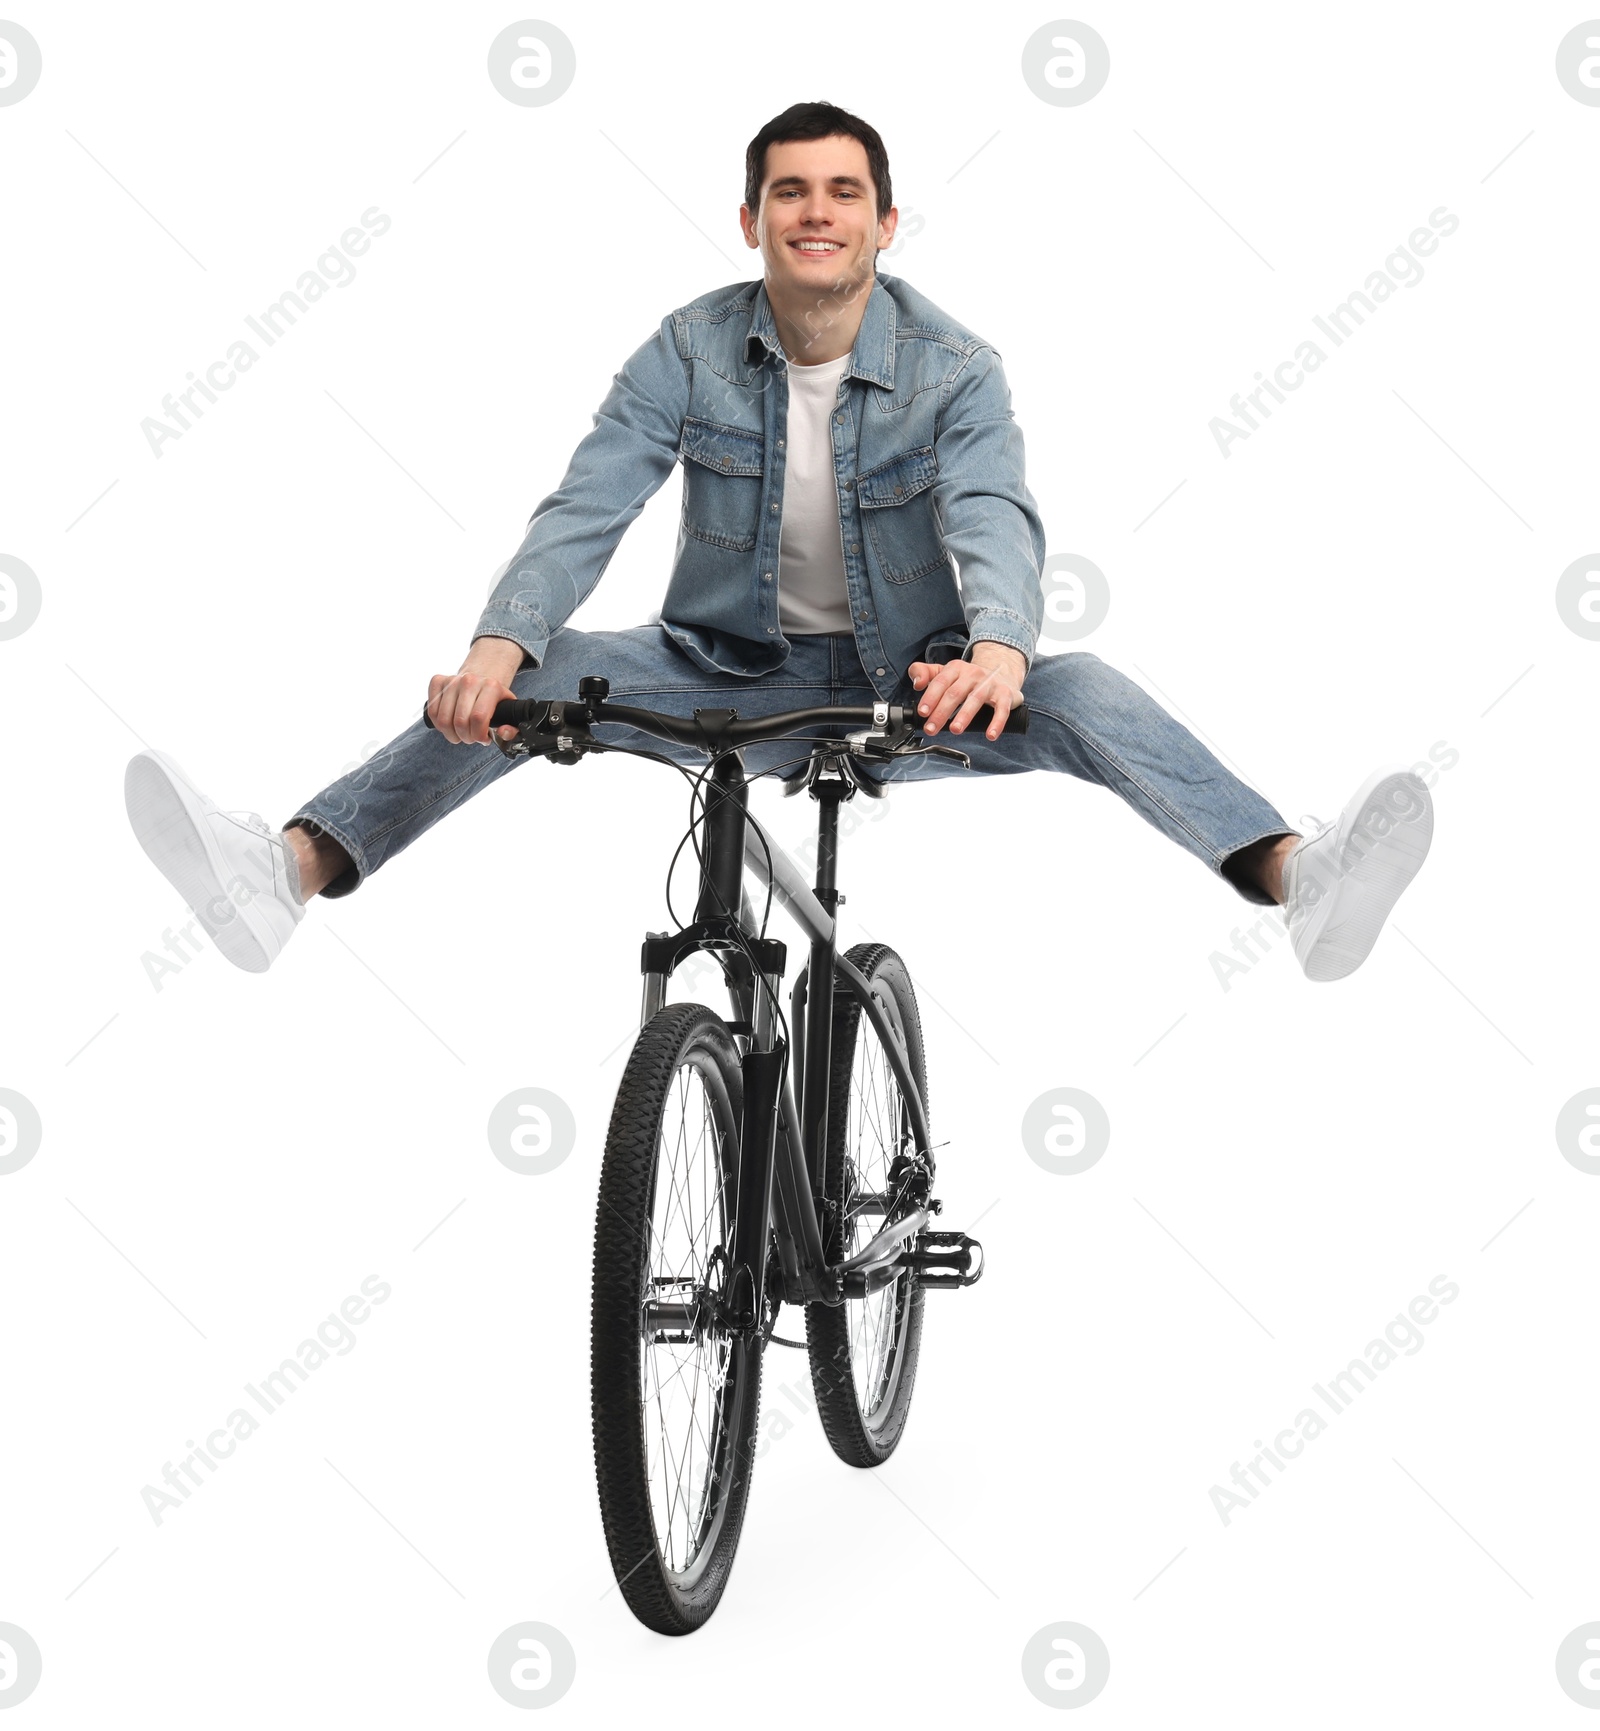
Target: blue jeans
x=1087 y=720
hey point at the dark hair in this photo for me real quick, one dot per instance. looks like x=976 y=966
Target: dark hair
x=816 y=120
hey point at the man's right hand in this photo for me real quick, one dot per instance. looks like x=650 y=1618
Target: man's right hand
x=462 y=703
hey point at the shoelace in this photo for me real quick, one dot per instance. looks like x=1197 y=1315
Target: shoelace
x=249 y=820
x=254 y=822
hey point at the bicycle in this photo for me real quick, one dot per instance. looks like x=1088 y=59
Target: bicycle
x=720 y=1198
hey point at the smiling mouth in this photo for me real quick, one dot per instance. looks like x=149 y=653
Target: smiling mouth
x=825 y=249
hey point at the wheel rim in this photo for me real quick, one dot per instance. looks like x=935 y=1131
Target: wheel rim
x=686 y=1388
x=878 y=1131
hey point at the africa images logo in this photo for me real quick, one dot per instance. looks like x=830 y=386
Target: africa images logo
x=1401 y=269
x=1403 y=1335
x=334 y=269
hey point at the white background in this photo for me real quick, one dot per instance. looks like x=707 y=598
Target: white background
x=231 y=1155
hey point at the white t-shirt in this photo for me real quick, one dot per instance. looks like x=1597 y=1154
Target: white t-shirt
x=811 y=587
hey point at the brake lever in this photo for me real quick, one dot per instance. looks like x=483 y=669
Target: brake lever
x=938 y=751
x=884 y=739
x=896 y=738
x=557 y=736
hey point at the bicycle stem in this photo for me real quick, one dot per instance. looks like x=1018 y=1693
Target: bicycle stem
x=722 y=863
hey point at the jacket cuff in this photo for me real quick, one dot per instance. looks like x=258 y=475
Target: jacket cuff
x=996 y=625
x=519 y=625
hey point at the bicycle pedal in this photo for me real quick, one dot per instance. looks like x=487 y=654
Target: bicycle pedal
x=943 y=1260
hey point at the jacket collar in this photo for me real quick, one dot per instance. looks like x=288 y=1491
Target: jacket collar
x=872 y=358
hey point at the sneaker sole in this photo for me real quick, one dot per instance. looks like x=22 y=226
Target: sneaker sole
x=168 y=818
x=1376 y=881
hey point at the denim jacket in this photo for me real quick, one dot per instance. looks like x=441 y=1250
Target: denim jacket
x=929 y=465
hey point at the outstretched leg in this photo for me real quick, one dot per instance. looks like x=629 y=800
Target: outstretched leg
x=248 y=883
x=1336 y=887
x=1090 y=721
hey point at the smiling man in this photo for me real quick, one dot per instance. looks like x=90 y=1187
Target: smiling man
x=856 y=526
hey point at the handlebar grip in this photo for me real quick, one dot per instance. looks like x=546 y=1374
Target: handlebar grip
x=519 y=711
x=1016 y=721
x=509 y=712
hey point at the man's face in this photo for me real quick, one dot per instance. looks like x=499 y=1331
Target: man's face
x=818 y=190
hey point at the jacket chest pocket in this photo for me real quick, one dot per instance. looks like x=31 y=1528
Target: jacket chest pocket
x=896 y=502
x=723 y=469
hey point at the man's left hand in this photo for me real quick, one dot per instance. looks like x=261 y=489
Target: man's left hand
x=955 y=691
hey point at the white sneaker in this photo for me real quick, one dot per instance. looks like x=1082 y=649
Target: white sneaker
x=239 y=876
x=1340 y=883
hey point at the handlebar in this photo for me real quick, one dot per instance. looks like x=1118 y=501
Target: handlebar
x=559 y=729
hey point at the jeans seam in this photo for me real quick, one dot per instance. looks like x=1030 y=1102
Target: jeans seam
x=1123 y=769
x=427 y=804
x=1276 y=831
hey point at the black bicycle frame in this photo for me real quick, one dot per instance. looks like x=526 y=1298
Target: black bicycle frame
x=784 y=1148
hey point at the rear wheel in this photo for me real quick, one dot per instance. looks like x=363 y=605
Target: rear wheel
x=864 y=1351
x=675 y=1395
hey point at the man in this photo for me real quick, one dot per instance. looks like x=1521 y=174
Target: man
x=848 y=452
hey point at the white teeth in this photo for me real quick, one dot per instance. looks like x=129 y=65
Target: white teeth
x=817 y=246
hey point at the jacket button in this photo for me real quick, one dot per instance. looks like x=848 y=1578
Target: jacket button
x=898 y=491
x=727 y=463
x=838 y=417
x=766 y=576
x=879 y=670
x=771 y=629
x=852 y=546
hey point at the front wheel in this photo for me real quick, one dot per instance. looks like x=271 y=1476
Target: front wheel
x=864 y=1351
x=675 y=1394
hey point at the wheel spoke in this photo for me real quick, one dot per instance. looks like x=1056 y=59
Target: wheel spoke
x=683 y=1384
x=877 y=1131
